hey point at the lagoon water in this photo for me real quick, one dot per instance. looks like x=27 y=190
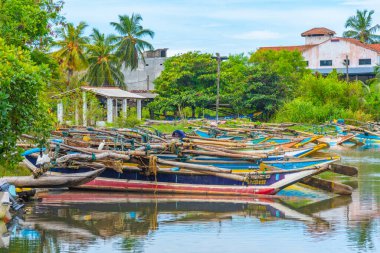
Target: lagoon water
x=118 y=222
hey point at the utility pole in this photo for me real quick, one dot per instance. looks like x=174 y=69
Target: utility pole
x=347 y=78
x=218 y=59
x=217 y=86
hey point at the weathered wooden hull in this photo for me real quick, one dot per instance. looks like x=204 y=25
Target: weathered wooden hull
x=190 y=182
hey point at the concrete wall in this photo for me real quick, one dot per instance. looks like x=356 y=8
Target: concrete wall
x=138 y=78
x=336 y=50
x=313 y=40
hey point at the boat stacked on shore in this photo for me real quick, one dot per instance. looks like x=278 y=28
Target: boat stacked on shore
x=245 y=161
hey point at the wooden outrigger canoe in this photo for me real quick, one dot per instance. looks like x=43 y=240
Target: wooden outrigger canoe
x=54 y=180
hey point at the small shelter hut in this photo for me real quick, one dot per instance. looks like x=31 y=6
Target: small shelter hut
x=113 y=96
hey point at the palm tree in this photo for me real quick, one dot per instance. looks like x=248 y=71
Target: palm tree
x=361 y=29
x=130 y=45
x=104 y=67
x=72 y=45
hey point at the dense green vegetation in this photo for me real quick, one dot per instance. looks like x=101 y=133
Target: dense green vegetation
x=274 y=83
x=187 y=81
x=22 y=107
x=260 y=83
x=319 y=99
x=25 y=72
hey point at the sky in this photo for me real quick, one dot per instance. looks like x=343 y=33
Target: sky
x=224 y=26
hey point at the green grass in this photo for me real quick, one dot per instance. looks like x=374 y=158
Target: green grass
x=6 y=171
x=316 y=129
x=329 y=175
x=169 y=128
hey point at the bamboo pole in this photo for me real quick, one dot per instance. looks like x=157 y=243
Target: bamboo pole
x=92 y=156
x=196 y=167
x=221 y=154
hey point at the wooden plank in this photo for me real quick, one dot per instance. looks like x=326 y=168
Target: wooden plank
x=54 y=181
x=344 y=139
x=344 y=169
x=327 y=185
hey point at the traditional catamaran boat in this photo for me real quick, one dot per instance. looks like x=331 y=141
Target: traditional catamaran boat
x=172 y=166
x=191 y=178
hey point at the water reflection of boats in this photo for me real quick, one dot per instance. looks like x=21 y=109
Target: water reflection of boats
x=83 y=217
x=87 y=207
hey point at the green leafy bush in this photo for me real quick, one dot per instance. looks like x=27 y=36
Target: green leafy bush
x=322 y=99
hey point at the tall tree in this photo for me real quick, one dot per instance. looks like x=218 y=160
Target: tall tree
x=187 y=81
x=130 y=45
x=104 y=67
x=274 y=78
x=361 y=27
x=29 y=23
x=72 y=46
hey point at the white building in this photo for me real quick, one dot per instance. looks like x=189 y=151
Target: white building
x=141 y=79
x=324 y=52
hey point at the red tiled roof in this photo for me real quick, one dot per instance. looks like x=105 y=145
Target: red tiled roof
x=288 y=48
x=375 y=47
x=318 y=31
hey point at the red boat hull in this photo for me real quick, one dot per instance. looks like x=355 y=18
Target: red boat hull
x=157 y=187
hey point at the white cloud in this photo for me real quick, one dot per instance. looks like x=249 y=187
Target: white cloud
x=258 y=35
x=226 y=26
x=361 y=2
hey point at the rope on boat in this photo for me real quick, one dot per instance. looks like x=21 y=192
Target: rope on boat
x=152 y=168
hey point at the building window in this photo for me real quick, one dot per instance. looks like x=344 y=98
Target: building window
x=163 y=53
x=326 y=63
x=345 y=62
x=364 y=61
x=146 y=64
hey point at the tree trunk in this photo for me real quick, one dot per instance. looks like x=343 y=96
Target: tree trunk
x=193 y=111
x=70 y=73
x=151 y=113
